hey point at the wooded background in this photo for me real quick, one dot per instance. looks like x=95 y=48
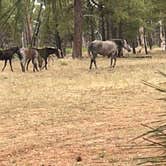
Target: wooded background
x=73 y=23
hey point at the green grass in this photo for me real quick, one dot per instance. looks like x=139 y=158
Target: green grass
x=69 y=50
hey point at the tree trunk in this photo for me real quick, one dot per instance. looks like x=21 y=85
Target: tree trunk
x=58 y=40
x=37 y=27
x=64 y=47
x=59 y=43
x=77 y=45
x=0 y=7
x=133 y=47
x=139 y=41
x=92 y=31
x=120 y=30
x=107 y=29
x=29 y=29
x=161 y=32
x=91 y=21
x=102 y=23
x=22 y=39
x=145 y=43
x=150 y=41
x=113 y=31
x=165 y=38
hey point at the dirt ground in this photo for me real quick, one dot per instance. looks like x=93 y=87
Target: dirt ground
x=68 y=113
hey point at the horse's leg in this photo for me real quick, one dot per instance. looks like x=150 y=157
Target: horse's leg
x=34 y=61
x=23 y=61
x=45 y=66
x=40 y=62
x=23 y=64
x=114 y=57
x=44 y=63
x=4 y=65
x=114 y=62
x=52 y=59
x=10 y=62
x=28 y=64
x=61 y=53
x=91 y=61
x=111 y=59
x=33 y=65
x=94 y=61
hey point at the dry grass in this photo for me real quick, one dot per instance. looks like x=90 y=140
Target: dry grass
x=55 y=117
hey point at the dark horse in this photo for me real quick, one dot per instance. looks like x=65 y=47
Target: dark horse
x=105 y=48
x=44 y=54
x=120 y=44
x=26 y=55
x=7 y=55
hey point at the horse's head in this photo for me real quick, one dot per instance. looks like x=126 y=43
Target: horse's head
x=52 y=50
x=57 y=52
x=126 y=46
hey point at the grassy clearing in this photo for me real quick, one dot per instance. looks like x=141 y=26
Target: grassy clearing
x=69 y=50
x=55 y=116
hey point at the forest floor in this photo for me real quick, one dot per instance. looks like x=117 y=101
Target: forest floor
x=68 y=113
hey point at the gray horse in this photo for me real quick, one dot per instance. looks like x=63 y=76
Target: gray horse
x=105 y=48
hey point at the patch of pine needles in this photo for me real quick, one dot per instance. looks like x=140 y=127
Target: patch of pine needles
x=159 y=88
x=154 y=139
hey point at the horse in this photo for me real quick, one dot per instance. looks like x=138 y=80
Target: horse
x=105 y=48
x=7 y=55
x=44 y=54
x=26 y=55
x=121 y=43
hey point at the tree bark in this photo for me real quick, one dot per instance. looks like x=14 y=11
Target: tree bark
x=133 y=47
x=27 y=27
x=107 y=29
x=77 y=45
x=92 y=31
x=165 y=37
x=37 y=27
x=91 y=21
x=0 y=7
x=59 y=43
x=102 y=22
x=120 y=30
x=102 y=18
x=150 y=41
x=145 y=43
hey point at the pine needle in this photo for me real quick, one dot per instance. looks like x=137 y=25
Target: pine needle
x=154 y=86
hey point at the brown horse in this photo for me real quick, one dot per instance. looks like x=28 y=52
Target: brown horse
x=44 y=54
x=7 y=55
x=28 y=54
